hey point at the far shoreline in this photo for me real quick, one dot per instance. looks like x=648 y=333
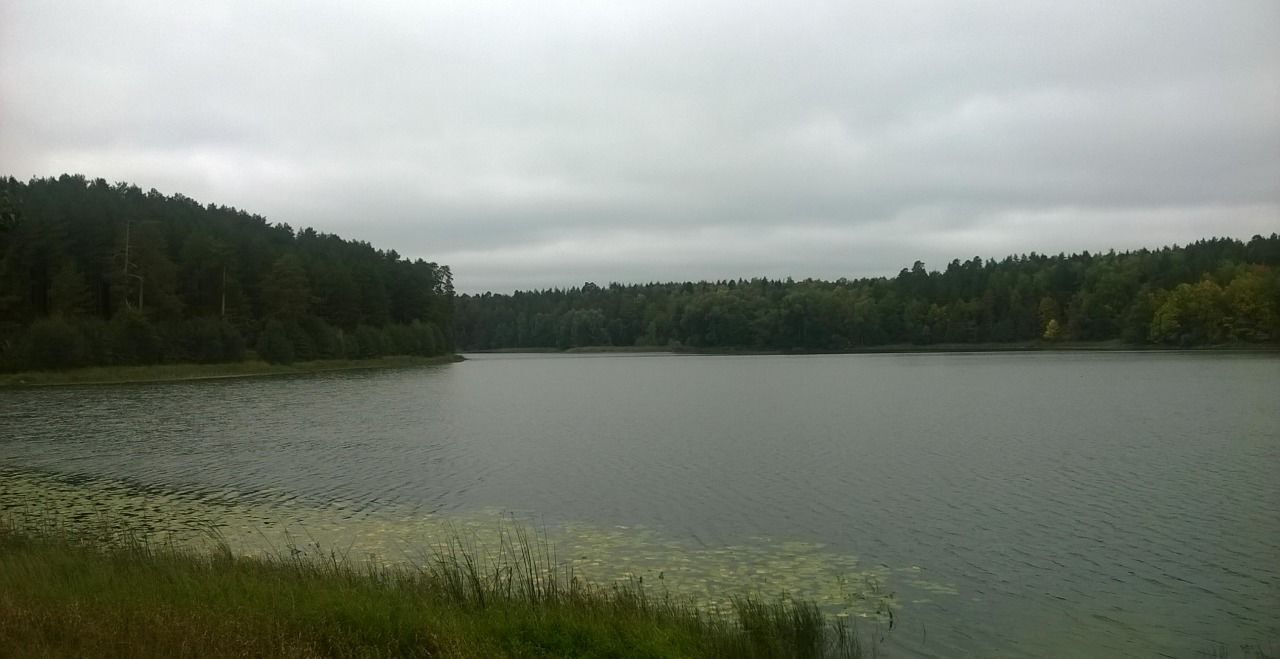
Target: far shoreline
x=187 y=372
x=1031 y=346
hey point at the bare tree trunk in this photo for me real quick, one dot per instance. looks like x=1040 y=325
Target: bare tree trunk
x=127 y=223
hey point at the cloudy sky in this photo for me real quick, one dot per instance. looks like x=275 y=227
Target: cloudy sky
x=534 y=144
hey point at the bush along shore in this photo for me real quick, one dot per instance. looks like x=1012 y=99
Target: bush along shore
x=113 y=594
x=188 y=371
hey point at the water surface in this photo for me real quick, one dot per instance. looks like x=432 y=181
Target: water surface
x=1064 y=504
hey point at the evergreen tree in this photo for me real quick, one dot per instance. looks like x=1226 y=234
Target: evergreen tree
x=68 y=294
x=274 y=344
x=1138 y=297
x=141 y=277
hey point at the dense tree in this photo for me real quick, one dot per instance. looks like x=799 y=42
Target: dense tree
x=274 y=343
x=1212 y=291
x=286 y=292
x=68 y=294
x=134 y=340
x=53 y=342
x=1253 y=301
x=96 y=273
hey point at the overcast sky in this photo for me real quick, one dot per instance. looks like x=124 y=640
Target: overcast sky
x=535 y=144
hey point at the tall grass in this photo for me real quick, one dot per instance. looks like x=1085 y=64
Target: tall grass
x=112 y=594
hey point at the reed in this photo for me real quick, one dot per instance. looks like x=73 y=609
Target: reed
x=117 y=594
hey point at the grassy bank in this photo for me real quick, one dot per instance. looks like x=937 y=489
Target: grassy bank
x=176 y=372
x=63 y=595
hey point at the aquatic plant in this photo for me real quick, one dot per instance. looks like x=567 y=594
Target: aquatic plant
x=117 y=593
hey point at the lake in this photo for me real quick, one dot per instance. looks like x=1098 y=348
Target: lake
x=1005 y=504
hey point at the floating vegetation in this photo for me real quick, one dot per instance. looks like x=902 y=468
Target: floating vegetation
x=265 y=523
x=512 y=600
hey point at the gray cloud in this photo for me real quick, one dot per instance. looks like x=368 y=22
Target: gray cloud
x=544 y=144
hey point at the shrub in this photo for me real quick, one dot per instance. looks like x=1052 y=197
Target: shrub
x=232 y=342
x=52 y=343
x=97 y=342
x=304 y=348
x=206 y=341
x=402 y=340
x=133 y=340
x=274 y=344
x=323 y=337
x=425 y=335
x=371 y=342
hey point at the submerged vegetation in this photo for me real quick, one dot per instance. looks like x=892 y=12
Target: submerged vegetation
x=99 y=274
x=126 y=596
x=1212 y=292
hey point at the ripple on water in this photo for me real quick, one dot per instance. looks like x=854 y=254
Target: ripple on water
x=1044 y=488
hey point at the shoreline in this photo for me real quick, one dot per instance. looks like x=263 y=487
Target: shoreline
x=185 y=372
x=96 y=375
x=1037 y=346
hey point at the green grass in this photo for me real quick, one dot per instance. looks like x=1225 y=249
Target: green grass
x=178 y=372
x=112 y=595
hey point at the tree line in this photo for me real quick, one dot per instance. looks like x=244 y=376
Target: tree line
x=1215 y=291
x=93 y=273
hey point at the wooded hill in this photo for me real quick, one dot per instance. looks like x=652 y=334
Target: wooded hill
x=1216 y=291
x=93 y=273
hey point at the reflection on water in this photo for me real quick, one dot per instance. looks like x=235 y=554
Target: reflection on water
x=1017 y=505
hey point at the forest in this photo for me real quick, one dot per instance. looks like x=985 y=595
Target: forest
x=1218 y=291
x=99 y=274
x=93 y=273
